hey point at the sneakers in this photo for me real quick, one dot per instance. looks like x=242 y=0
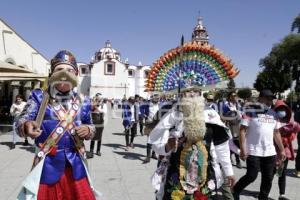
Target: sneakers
x=132 y=146
x=282 y=197
x=298 y=174
x=127 y=148
x=147 y=160
x=89 y=154
x=98 y=153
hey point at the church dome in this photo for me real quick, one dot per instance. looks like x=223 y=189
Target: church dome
x=107 y=52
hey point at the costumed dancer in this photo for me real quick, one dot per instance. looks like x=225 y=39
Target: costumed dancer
x=15 y=111
x=188 y=170
x=59 y=120
x=99 y=111
x=130 y=120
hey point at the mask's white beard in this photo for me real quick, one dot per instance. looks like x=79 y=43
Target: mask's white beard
x=193 y=118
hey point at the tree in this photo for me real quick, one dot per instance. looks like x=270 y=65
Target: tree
x=220 y=94
x=280 y=66
x=296 y=24
x=292 y=97
x=231 y=84
x=244 y=93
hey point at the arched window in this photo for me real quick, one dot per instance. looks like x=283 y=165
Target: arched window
x=10 y=61
x=131 y=73
x=146 y=72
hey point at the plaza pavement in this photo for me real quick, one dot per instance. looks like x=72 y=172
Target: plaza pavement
x=118 y=174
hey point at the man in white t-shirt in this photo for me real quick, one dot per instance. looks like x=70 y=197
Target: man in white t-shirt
x=15 y=110
x=259 y=130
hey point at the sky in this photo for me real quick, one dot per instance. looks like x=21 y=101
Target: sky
x=142 y=30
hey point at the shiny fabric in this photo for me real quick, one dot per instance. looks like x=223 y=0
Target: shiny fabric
x=55 y=164
x=64 y=57
x=66 y=189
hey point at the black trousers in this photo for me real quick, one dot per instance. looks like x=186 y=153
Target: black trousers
x=266 y=166
x=132 y=131
x=282 y=178
x=141 y=123
x=298 y=154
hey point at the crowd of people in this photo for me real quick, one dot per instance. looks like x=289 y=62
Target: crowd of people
x=193 y=138
x=258 y=132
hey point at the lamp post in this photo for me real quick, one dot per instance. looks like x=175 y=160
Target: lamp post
x=125 y=87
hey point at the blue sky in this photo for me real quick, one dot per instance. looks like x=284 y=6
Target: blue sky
x=143 y=30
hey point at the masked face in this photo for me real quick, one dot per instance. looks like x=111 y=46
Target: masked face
x=63 y=78
x=281 y=114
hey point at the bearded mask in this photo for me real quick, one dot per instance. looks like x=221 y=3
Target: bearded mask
x=63 y=77
x=193 y=118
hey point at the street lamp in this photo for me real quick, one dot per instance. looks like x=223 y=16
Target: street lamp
x=125 y=87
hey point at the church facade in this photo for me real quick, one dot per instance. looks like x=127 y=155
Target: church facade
x=109 y=75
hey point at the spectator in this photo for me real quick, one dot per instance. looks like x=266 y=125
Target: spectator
x=257 y=136
x=231 y=114
x=288 y=134
x=15 y=111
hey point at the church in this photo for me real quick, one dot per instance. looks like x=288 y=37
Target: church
x=109 y=75
x=114 y=78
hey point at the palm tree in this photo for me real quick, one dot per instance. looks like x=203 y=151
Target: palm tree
x=296 y=24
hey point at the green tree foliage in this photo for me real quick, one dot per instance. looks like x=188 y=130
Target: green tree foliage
x=244 y=93
x=292 y=97
x=296 y=24
x=220 y=94
x=280 y=66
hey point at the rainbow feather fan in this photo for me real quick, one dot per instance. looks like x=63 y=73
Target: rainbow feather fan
x=202 y=66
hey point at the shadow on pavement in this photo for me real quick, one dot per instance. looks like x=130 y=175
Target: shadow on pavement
x=29 y=148
x=139 y=145
x=131 y=155
x=252 y=194
x=122 y=134
x=115 y=146
x=9 y=144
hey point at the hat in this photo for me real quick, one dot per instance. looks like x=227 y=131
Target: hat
x=266 y=93
x=210 y=97
x=64 y=57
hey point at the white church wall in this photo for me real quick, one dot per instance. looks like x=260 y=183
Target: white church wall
x=110 y=86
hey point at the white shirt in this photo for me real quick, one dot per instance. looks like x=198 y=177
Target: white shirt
x=260 y=132
x=132 y=113
x=16 y=109
x=153 y=109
